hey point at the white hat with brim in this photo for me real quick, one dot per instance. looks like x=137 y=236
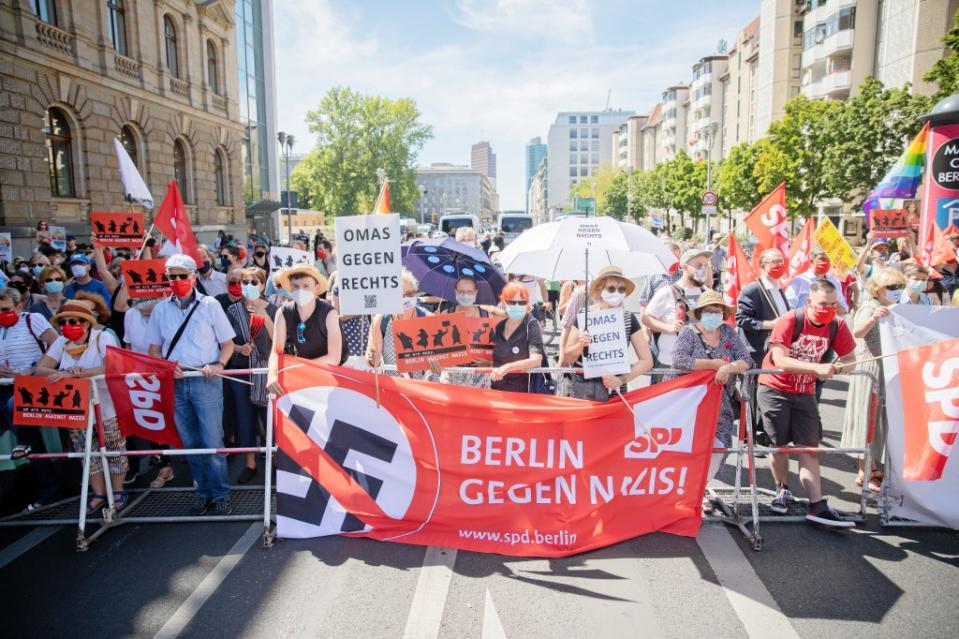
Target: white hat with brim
x=182 y=261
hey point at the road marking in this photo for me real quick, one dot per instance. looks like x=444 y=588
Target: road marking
x=429 y=599
x=492 y=626
x=188 y=609
x=25 y=543
x=755 y=607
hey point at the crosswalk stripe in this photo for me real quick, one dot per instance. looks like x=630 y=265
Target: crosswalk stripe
x=492 y=626
x=429 y=598
x=25 y=543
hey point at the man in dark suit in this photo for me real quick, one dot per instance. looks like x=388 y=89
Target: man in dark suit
x=758 y=309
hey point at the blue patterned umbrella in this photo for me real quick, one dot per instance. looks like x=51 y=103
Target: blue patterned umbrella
x=437 y=264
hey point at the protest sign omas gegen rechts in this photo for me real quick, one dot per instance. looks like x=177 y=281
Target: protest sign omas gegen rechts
x=369 y=264
x=607 y=353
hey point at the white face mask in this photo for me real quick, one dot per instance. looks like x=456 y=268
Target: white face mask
x=78 y=270
x=613 y=299
x=700 y=275
x=409 y=302
x=466 y=299
x=893 y=297
x=303 y=297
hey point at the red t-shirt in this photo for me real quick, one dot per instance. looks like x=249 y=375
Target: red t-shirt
x=810 y=346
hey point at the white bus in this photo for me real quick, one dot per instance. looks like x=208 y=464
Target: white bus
x=452 y=221
x=512 y=224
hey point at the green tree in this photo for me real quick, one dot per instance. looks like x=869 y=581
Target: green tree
x=870 y=132
x=945 y=72
x=618 y=202
x=596 y=185
x=736 y=180
x=356 y=135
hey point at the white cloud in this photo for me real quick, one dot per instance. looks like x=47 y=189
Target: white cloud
x=569 y=21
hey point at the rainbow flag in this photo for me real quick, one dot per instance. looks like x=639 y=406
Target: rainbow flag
x=902 y=180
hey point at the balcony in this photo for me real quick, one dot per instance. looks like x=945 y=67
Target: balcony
x=836 y=84
x=180 y=87
x=702 y=80
x=702 y=124
x=669 y=141
x=839 y=42
x=702 y=102
x=126 y=66
x=54 y=38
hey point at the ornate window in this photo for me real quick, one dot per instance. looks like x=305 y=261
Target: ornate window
x=46 y=11
x=129 y=142
x=180 y=173
x=219 y=176
x=169 y=38
x=59 y=154
x=212 y=75
x=117 y=25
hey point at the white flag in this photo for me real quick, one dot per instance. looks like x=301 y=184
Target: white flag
x=134 y=188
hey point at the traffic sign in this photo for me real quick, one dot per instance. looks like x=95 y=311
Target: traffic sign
x=709 y=210
x=709 y=198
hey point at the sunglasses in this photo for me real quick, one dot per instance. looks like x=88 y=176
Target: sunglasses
x=300 y=337
x=233 y=281
x=178 y=276
x=248 y=282
x=615 y=289
x=894 y=287
x=54 y=279
x=260 y=253
x=72 y=321
x=516 y=302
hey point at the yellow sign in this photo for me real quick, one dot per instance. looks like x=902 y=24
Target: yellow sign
x=837 y=248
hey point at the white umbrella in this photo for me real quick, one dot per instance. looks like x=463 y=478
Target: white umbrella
x=557 y=250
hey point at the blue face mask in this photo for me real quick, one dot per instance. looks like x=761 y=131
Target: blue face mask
x=516 y=312
x=36 y=270
x=711 y=321
x=251 y=292
x=285 y=293
x=53 y=287
x=916 y=286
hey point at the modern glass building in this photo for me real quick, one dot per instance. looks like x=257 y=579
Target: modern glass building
x=257 y=98
x=535 y=152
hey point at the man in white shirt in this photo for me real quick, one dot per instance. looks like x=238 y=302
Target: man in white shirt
x=210 y=281
x=798 y=291
x=191 y=329
x=666 y=313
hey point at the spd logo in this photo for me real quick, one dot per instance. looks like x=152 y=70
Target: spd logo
x=678 y=410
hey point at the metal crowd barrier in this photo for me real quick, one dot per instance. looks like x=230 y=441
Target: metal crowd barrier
x=733 y=513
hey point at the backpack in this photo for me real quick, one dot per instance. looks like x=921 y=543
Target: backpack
x=801 y=324
x=40 y=342
x=679 y=297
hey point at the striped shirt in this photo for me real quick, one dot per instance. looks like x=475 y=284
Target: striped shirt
x=19 y=349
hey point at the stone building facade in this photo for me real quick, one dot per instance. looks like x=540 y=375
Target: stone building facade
x=159 y=74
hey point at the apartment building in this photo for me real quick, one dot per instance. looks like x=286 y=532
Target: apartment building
x=672 y=118
x=738 y=117
x=705 y=108
x=626 y=142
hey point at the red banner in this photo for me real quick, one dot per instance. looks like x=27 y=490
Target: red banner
x=142 y=391
x=118 y=230
x=738 y=273
x=488 y=471
x=768 y=222
x=934 y=249
x=929 y=380
x=799 y=261
x=173 y=220
x=146 y=278
x=39 y=402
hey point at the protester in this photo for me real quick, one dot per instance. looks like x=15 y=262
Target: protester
x=24 y=337
x=79 y=353
x=325 y=260
x=885 y=290
x=919 y=289
x=52 y=281
x=668 y=309
x=787 y=401
x=466 y=291
x=761 y=303
x=280 y=295
x=43 y=235
x=80 y=269
x=467 y=235
x=518 y=342
x=252 y=321
x=261 y=256
x=230 y=258
x=234 y=287
x=190 y=328
x=950 y=273
x=209 y=281
x=307 y=326
x=23 y=281
x=380 y=348
x=355 y=328
x=798 y=291
x=608 y=290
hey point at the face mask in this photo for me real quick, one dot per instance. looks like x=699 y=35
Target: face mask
x=883 y=255
x=321 y=254
x=53 y=287
x=282 y=292
x=78 y=270
x=236 y=290
x=181 y=288
x=303 y=297
x=775 y=272
x=700 y=274
x=613 y=299
x=20 y=286
x=893 y=297
x=466 y=299
x=23 y=268
x=516 y=312
x=916 y=286
x=821 y=268
x=73 y=332
x=205 y=268
x=36 y=270
x=251 y=292
x=409 y=302
x=224 y=261
x=8 y=318
x=711 y=320
x=824 y=315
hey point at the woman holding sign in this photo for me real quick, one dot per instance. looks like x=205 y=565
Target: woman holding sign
x=518 y=342
x=79 y=353
x=466 y=292
x=608 y=290
x=380 y=349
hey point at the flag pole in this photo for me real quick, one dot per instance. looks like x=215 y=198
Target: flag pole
x=586 y=293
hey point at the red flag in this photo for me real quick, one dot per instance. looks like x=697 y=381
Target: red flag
x=799 y=261
x=949 y=230
x=738 y=274
x=525 y=474
x=768 y=221
x=173 y=220
x=935 y=248
x=142 y=391
x=929 y=379
x=383 y=199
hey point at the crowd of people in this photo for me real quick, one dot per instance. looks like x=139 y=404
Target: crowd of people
x=61 y=308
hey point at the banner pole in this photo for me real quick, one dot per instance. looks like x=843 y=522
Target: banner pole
x=221 y=375
x=101 y=441
x=85 y=481
x=762 y=289
x=146 y=238
x=268 y=470
x=376 y=383
x=586 y=293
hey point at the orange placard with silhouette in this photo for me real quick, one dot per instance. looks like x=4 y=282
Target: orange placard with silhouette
x=889 y=223
x=118 y=230
x=146 y=278
x=440 y=338
x=39 y=402
x=482 y=333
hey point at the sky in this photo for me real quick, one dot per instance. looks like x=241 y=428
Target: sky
x=497 y=70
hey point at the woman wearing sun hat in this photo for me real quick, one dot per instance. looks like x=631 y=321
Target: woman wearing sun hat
x=709 y=343
x=608 y=290
x=79 y=353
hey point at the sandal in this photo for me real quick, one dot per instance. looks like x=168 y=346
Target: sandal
x=875 y=481
x=120 y=500
x=160 y=481
x=20 y=451
x=91 y=509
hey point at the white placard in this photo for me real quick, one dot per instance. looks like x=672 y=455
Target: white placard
x=369 y=264
x=607 y=353
x=58 y=237
x=6 y=247
x=284 y=258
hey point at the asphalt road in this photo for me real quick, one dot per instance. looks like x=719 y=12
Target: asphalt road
x=214 y=580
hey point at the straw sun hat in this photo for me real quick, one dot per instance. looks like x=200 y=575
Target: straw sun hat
x=81 y=309
x=607 y=272
x=284 y=277
x=712 y=298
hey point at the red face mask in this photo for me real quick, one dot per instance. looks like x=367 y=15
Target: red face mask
x=775 y=272
x=823 y=315
x=181 y=288
x=236 y=290
x=9 y=318
x=73 y=332
x=321 y=254
x=821 y=268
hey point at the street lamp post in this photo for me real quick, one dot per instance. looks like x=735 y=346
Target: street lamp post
x=710 y=140
x=423 y=192
x=629 y=193
x=286 y=148
x=593 y=186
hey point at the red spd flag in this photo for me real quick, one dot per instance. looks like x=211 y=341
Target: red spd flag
x=142 y=391
x=488 y=471
x=935 y=248
x=929 y=380
x=768 y=221
x=738 y=273
x=173 y=220
x=799 y=261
